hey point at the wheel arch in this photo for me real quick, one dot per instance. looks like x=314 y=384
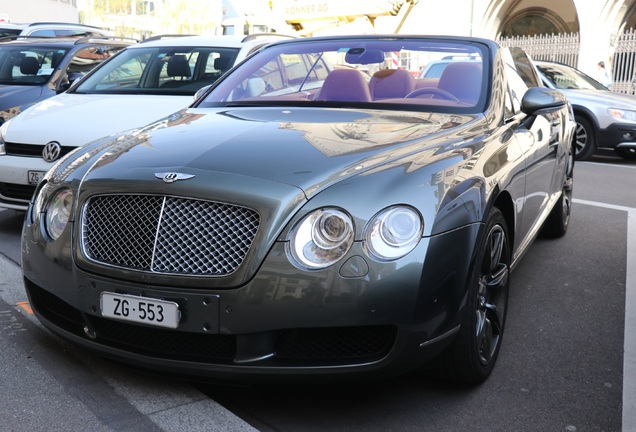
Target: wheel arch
x=505 y=204
x=587 y=114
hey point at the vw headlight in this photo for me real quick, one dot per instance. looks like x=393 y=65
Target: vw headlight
x=622 y=114
x=58 y=213
x=393 y=232
x=321 y=238
x=3 y=129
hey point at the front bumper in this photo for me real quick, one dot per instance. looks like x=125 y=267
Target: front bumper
x=15 y=189
x=617 y=135
x=391 y=320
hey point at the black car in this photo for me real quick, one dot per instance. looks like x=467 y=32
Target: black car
x=305 y=220
x=34 y=69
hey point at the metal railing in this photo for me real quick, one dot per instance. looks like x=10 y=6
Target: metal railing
x=562 y=48
x=624 y=62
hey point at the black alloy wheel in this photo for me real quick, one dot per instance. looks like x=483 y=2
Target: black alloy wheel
x=473 y=355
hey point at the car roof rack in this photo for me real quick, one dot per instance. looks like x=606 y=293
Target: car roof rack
x=260 y=35
x=101 y=38
x=63 y=23
x=25 y=37
x=165 y=36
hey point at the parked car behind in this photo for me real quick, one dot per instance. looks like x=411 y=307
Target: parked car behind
x=53 y=29
x=604 y=119
x=434 y=68
x=32 y=70
x=300 y=222
x=146 y=82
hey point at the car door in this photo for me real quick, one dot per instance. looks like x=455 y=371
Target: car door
x=539 y=138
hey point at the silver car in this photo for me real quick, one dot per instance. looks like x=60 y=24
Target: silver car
x=604 y=119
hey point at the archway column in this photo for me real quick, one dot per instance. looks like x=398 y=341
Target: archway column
x=597 y=23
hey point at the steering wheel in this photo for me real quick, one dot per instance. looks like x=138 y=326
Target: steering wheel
x=433 y=91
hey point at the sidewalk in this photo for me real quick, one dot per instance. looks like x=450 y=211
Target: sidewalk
x=49 y=385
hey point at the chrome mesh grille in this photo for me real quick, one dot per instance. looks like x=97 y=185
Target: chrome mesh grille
x=167 y=234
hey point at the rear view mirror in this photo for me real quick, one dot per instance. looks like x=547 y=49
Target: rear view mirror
x=538 y=100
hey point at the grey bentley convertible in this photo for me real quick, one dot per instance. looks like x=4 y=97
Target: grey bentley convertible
x=319 y=212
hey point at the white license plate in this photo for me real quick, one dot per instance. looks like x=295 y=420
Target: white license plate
x=35 y=177
x=137 y=309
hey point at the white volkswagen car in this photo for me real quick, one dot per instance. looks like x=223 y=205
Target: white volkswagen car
x=143 y=83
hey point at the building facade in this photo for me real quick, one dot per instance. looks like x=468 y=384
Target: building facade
x=28 y=11
x=598 y=23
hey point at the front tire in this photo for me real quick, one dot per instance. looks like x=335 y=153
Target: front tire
x=473 y=354
x=584 y=139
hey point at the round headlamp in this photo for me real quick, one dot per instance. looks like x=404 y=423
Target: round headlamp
x=393 y=232
x=321 y=238
x=58 y=213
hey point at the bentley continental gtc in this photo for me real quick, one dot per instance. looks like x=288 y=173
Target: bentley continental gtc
x=315 y=214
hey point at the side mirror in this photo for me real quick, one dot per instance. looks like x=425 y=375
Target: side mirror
x=72 y=77
x=202 y=90
x=538 y=100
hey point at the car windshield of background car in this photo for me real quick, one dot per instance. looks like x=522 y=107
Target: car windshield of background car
x=569 y=78
x=28 y=66
x=174 y=70
x=358 y=72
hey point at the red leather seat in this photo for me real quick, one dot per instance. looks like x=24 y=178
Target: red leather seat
x=345 y=85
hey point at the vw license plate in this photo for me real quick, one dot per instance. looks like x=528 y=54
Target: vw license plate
x=137 y=309
x=35 y=177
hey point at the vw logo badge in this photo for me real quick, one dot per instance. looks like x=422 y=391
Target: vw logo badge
x=51 y=151
x=170 y=177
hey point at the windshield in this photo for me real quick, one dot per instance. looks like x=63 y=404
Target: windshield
x=565 y=77
x=358 y=72
x=159 y=70
x=21 y=65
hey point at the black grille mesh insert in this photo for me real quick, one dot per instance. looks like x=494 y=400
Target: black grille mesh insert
x=336 y=343
x=165 y=343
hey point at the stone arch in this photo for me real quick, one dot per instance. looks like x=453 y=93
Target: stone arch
x=534 y=21
x=523 y=17
x=628 y=20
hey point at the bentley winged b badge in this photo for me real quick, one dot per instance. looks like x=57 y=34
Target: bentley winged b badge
x=171 y=177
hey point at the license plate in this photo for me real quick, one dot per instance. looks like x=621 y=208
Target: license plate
x=35 y=177
x=137 y=309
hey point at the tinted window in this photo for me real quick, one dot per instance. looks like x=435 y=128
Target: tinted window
x=45 y=33
x=565 y=77
x=28 y=66
x=160 y=70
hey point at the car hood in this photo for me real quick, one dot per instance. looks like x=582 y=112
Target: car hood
x=13 y=97
x=271 y=160
x=304 y=147
x=74 y=119
x=602 y=99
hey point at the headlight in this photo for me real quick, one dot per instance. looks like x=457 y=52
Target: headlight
x=58 y=213
x=38 y=202
x=321 y=238
x=622 y=114
x=3 y=128
x=393 y=232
